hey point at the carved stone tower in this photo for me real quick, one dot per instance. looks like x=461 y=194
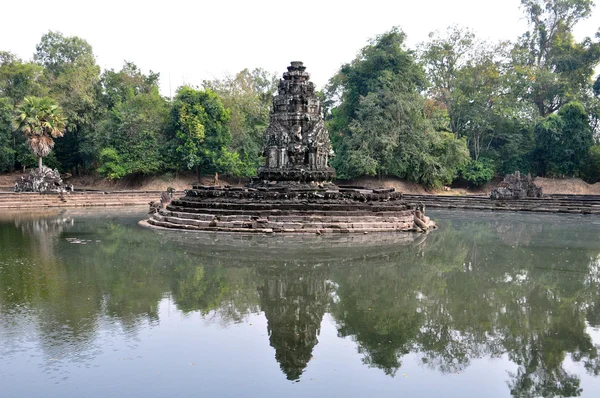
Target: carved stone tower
x=296 y=145
x=293 y=192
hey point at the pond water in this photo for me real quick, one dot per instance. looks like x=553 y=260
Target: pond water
x=491 y=304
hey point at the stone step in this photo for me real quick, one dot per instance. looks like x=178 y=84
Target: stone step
x=276 y=212
x=66 y=204
x=173 y=222
x=403 y=216
x=14 y=202
x=549 y=209
x=28 y=200
x=265 y=206
x=91 y=193
x=73 y=198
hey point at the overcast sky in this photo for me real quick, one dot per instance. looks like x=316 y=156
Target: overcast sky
x=191 y=41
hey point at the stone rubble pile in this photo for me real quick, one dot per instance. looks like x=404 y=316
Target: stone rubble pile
x=516 y=186
x=44 y=180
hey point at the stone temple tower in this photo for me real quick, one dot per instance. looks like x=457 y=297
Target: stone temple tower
x=296 y=144
x=293 y=192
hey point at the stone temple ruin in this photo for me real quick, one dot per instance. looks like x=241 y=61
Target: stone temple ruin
x=297 y=146
x=44 y=180
x=515 y=186
x=293 y=192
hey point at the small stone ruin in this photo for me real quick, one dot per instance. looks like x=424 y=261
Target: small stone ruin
x=516 y=187
x=44 y=180
x=293 y=192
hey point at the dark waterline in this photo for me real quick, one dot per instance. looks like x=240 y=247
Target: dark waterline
x=491 y=304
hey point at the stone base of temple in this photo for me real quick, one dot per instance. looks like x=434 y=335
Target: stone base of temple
x=285 y=210
x=295 y=174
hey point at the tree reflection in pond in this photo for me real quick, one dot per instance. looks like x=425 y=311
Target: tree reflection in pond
x=468 y=298
x=484 y=286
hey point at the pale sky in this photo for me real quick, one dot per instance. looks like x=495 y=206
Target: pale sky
x=191 y=41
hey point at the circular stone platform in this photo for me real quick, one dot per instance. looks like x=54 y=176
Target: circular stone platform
x=288 y=210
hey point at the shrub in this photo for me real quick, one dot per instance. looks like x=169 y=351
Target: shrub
x=111 y=164
x=478 y=172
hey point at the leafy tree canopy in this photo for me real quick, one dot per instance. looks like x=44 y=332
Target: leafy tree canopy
x=379 y=125
x=551 y=66
x=200 y=131
x=248 y=96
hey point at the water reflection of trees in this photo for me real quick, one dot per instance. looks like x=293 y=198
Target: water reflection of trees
x=475 y=288
x=471 y=297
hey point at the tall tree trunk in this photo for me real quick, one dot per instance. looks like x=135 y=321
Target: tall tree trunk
x=40 y=163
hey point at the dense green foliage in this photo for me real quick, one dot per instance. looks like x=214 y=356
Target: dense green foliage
x=454 y=107
x=7 y=153
x=379 y=126
x=131 y=133
x=248 y=95
x=200 y=132
x=478 y=172
x=504 y=98
x=563 y=142
x=592 y=170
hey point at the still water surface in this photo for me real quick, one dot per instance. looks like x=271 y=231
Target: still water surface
x=491 y=304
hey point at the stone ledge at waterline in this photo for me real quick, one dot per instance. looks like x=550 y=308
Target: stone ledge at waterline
x=34 y=200
x=558 y=203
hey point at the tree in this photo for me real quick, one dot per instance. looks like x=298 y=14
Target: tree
x=551 y=67
x=118 y=87
x=443 y=57
x=577 y=134
x=592 y=105
x=378 y=102
x=563 y=141
x=74 y=81
x=135 y=130
x=7 y=153
x=18 y=79
x=378 y=126
x=199 y=132
x=132 y=134
x=40 y=120
x=472 y=80
x=248 y=96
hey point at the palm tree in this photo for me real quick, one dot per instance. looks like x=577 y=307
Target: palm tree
x=40 y=120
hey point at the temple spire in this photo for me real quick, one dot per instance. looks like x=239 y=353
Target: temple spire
x=296 y=145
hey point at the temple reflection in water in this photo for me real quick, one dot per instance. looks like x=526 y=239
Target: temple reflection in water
x=450 y=298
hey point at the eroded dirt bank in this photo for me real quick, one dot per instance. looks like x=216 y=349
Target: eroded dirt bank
x=180 y=182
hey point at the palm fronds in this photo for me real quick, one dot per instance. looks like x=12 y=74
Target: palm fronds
x=40 y=120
